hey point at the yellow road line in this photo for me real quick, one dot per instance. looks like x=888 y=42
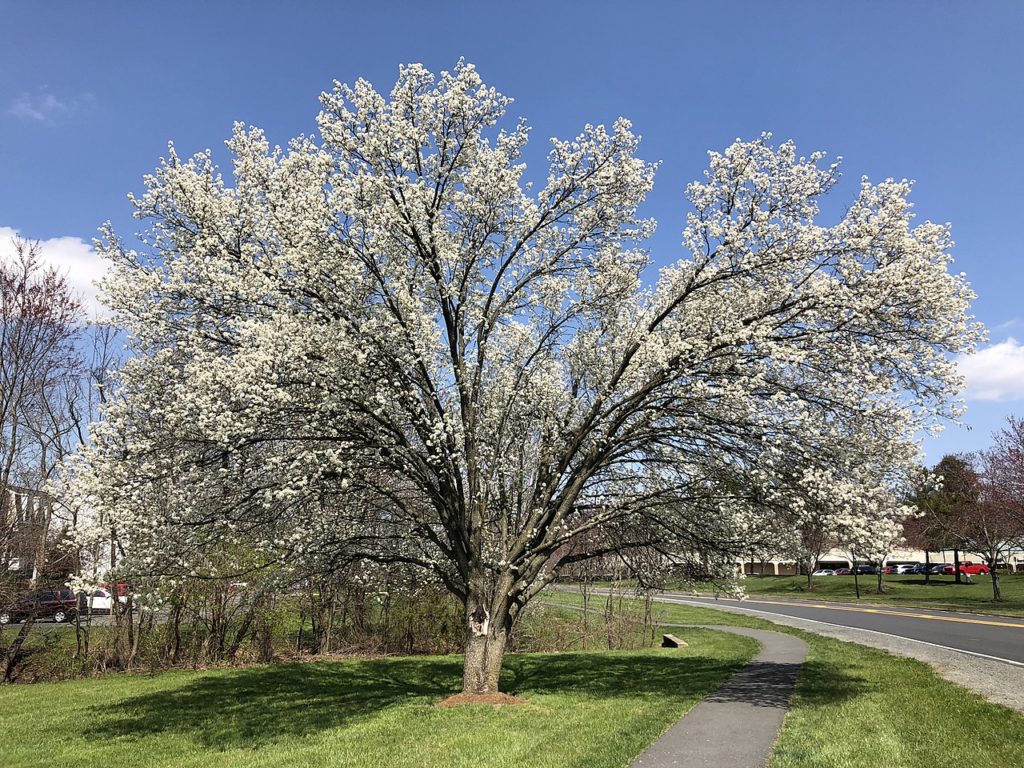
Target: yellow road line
x=889 y=613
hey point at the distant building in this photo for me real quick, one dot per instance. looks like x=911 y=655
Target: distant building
x=838 y=558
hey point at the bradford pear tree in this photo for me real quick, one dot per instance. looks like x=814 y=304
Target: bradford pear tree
x=859 y=510
x=479 y=375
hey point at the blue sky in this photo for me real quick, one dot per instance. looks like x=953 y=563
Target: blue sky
x=90 y=93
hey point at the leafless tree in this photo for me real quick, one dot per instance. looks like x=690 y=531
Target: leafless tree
x=996 y=527
x=40 y=323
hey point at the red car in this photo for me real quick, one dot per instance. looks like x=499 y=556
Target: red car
x=973 y=568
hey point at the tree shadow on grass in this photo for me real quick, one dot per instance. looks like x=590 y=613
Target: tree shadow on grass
x=761 y=683
x=260 y=705
x=250 y=708
x=627 y=674
x=824 y=682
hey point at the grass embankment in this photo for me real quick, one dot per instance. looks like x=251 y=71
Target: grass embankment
x=586 y=709
x=905 y=591
x=857 y=706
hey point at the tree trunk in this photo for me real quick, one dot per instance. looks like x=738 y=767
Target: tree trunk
x=485 y=648
x=956 y=566
x=997 y=591
x=243 y=629
x=585 y=591
x=174 y=640
x=44 y=508
x=927 y=568
x=14 y=652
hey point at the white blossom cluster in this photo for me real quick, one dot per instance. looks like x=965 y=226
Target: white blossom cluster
x=382 y=345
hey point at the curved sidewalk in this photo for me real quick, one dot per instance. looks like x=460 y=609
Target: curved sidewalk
x=737 y=724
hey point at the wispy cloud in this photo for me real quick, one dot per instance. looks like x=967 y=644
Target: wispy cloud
x=1013 y=322
x=995 y=372
x=44 y=107
x=73 y=257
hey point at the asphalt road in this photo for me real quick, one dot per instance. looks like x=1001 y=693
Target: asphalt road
x=995 y=637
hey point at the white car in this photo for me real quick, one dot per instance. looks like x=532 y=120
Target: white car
x=101 y=601
x=901 y=569
x=824 y=572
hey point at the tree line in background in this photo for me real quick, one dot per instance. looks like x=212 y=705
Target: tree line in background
x=979 y=505
x=967 y=503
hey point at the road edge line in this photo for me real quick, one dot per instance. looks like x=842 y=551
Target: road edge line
x=685 y=601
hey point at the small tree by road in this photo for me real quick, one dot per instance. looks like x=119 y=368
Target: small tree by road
x=995 y=528
x=948 y=499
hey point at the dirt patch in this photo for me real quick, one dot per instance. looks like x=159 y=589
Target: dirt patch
x=494 y=699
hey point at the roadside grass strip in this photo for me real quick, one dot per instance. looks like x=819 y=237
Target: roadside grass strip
x=907 y=591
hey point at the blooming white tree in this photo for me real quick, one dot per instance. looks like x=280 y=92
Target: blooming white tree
x=385 y=344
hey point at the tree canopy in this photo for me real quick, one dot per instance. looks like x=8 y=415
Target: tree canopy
x=382 y=344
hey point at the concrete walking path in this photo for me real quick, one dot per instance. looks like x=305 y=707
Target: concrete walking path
x=737 y=724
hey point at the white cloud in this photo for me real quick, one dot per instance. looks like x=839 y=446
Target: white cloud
x=995 y=372
x=44 y=107
x=74 y=258
x=1013 y=322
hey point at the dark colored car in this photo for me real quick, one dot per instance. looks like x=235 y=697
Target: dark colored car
x=57 y=604
x=866 y=570
x=843 y=572
x=940 y=568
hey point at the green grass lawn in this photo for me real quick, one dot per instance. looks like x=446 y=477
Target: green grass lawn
x=857 y=706
x=854 y=706
x=586 y=709
x=907 y=591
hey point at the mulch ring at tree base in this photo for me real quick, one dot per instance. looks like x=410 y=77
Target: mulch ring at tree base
x=495 y=699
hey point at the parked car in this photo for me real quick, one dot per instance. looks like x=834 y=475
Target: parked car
x=842 y=572
x=100 y=601
x=973 y=568
x=824 y=572
x=57 y=604
x=899 y=568
x=866 y=570
x=940 y=568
